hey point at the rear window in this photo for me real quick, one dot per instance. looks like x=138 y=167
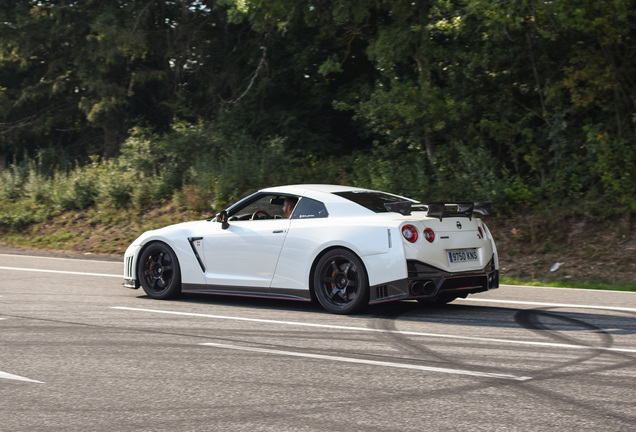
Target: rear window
x=373 y=201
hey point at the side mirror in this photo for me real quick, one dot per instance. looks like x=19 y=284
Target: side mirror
x=222 y=217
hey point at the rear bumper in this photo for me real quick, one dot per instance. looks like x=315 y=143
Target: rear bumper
x=427 y=282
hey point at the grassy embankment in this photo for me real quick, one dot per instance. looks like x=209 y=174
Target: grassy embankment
x=107 y=232
x=100 y=206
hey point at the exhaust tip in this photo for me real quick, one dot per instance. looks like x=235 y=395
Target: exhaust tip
x=422 y=288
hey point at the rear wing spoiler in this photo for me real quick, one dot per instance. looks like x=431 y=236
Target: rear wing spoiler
x=443 y=209
x=458 y=209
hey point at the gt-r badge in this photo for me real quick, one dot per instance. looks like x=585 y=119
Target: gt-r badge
x=459 y=225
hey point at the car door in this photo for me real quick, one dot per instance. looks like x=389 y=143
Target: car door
x=244 y=255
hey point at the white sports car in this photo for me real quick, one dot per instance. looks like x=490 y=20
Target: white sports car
x=345 y=247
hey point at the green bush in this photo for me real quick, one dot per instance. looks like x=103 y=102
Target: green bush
x=616 y=169
x=238 y=166
x=116 y=184
x=21 y=214
x=77 y=189
x=200 y=169
x=462 y=173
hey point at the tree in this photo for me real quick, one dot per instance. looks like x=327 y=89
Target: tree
x=79 y=75
x=37 y=82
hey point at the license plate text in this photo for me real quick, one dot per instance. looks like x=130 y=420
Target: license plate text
x=463 y=255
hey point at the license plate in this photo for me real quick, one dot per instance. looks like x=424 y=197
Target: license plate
x=464 y=255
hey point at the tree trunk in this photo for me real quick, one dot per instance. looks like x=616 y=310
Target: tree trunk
x=112 y=139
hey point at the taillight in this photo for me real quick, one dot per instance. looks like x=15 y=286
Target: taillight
x=481 y=233
x=409 y=232
x=429 y=235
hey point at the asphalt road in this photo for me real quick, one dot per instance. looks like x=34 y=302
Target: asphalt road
x=80 y=352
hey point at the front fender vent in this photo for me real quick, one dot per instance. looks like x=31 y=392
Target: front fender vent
x=194 y=241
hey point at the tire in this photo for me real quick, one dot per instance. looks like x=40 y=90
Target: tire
x=340 y=282
x=158 y=271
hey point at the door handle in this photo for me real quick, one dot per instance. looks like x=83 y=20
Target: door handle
x=278 y=231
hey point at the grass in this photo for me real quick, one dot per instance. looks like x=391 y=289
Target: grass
x=592 y=285
x=104 y=231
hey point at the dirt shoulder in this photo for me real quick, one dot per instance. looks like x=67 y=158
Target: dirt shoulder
x=569 y=249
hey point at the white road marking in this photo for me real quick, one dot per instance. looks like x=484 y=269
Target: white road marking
x=60 y=258
x=61 y=272
x=562 y=305
x=365 y=329
x=17 y=377
x=369 y=362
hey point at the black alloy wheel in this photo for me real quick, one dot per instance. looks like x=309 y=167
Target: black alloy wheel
x=158 y=271
x=340 y=282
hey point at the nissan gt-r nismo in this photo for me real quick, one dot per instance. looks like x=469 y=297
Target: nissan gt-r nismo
x=342 y=246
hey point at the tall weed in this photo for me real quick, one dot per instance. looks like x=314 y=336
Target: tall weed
x=37 y=186
x=12 y=182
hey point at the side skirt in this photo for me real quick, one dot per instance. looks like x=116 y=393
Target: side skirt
x=273 y=293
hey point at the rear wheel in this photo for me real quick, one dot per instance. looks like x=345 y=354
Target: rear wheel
x=340 y=282
x=158 y=271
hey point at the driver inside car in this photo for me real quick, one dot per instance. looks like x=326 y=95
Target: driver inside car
x=288 y=206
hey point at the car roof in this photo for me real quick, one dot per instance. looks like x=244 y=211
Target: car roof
x=302 y=189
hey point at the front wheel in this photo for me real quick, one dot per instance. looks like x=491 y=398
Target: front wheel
x=340 y=282
x=158 y=271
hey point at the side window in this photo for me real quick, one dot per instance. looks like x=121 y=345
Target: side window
x=308 y=208
x=264 y=207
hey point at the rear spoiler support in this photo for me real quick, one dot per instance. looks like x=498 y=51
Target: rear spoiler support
x=462 y=209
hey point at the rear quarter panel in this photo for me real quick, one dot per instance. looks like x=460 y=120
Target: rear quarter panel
x=373 y=241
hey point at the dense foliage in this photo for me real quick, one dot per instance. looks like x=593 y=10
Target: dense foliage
x=130 y=103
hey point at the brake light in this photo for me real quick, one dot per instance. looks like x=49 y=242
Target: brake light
x=429 y=235
x=409 y=232
x=481 y=233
